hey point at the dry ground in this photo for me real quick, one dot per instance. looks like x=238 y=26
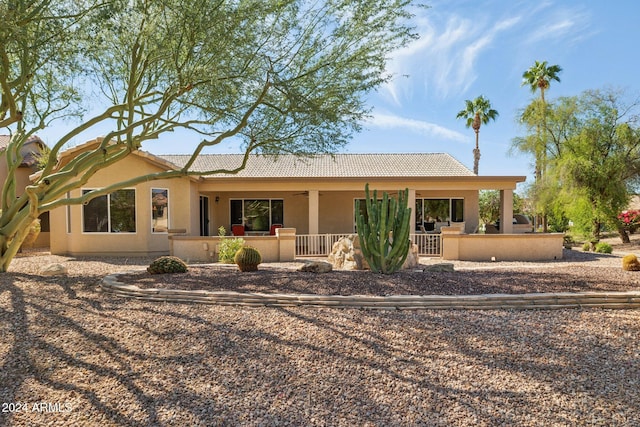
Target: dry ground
x=71 y=355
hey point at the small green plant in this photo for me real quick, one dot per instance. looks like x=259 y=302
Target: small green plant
x=586 y=247
x=603 y=248
x=228 y=247
x=248 y=258
x=167 y=264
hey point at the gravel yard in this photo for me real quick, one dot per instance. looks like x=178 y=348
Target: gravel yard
x=71 y=355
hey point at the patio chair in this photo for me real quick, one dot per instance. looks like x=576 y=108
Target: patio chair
x=272 y=230
x=237 y=229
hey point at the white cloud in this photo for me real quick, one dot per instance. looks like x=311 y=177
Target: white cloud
x=561 y=24
x=390 y=121
x=444 y=58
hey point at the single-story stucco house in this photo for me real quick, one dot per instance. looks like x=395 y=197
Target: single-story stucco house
x=309 y=202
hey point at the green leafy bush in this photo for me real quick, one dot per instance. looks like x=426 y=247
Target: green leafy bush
x=248 y=258
x=167 y=264
x=603 y=248
x=586 y=247
x=228 y=247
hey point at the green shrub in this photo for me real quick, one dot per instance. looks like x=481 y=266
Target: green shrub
x=603 y=248
x=228 y=247
x=248 y=258
x=167 y=264
x=586 y=247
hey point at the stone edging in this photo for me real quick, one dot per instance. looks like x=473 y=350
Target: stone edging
x=540 y=301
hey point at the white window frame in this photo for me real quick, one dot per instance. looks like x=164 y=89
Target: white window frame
x=269 y=199
x=169 y=210
x=451 y=199
x=135 y=201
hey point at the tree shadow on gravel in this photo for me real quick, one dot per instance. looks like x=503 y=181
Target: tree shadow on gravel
x=34 y=365
x=119 y=361
x=463 y=282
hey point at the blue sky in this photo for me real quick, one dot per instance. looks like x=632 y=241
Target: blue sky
x=470 y=48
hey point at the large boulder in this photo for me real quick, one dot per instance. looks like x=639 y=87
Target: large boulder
x=346 y=254
x=413 y=259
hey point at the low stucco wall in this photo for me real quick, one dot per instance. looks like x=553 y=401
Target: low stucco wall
x=501 y=247
x=278 y=248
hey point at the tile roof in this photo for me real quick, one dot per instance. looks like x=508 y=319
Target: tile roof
x=327 y=166
x=4 y=141
x=29 y=159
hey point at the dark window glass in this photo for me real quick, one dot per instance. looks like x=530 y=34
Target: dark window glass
x=236 y=212
x=95 y=215
x=257 y=215
x=115 y=212
x=44 y=222
x=123 y=211
x=277 y=212
x=457 y=210
x=436 y=210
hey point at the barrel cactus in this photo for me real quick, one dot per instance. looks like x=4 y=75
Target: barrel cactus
x=384 y=234
x=167 y=264
x=248 y=259
x=630 y=263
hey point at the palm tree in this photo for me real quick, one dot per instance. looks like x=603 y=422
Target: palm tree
x=539 y=76
x=476 y=113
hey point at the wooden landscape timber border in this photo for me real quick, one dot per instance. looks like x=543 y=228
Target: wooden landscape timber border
x=536 y=301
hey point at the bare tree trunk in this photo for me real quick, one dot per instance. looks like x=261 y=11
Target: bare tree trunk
x=624 y=234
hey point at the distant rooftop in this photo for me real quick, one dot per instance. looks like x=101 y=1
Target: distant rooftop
x=29 y=159
x=327 y=166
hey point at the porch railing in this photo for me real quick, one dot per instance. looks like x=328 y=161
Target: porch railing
x=320 y=244
x=316 y=244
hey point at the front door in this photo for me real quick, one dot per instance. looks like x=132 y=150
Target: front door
x=204 y=216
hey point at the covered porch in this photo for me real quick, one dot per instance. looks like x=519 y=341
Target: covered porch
x=323 y=211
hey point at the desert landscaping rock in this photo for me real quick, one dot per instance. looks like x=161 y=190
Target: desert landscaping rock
x=54 y=269
x=111 y=361
x=441 y=267
x=316 y=267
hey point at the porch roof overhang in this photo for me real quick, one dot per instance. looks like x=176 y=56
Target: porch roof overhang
x=222 y=184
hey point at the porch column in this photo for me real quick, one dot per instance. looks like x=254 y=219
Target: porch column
x=411 y=203
x=314 y=209
x=506 y=211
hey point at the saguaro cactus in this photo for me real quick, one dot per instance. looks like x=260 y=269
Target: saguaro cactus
x=384 y=234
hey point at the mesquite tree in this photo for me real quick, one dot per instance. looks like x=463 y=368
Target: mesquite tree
x=384 y=233
x=279 y=76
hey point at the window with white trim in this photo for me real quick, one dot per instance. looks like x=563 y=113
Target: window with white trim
x=257 y=214
x=159 y=210
x=431 y=213
x=110 y=213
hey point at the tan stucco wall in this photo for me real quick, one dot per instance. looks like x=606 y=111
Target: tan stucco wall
x=182 y=192
x=501 y=247
x=278 y=248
